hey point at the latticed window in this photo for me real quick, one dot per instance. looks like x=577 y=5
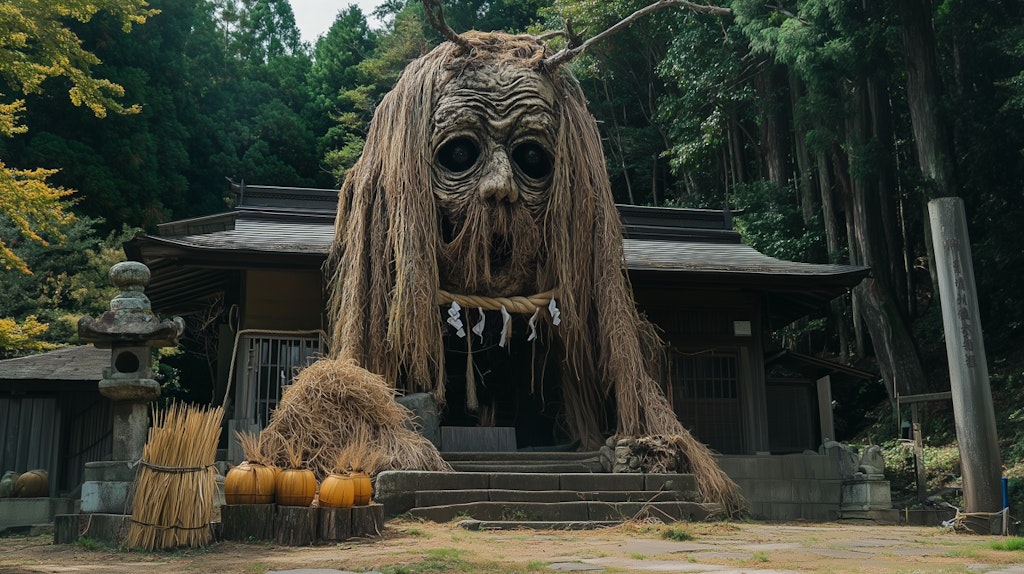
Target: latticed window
x=705 y=393
x=267 y=362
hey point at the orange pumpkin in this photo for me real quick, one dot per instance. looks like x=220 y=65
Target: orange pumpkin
x=363 y=488
x=249 y=483
x=337 y=491
x=295 y=487
x=32 y=484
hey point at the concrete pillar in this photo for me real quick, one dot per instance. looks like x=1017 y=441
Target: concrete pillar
x=131 y=429
x=968 y=368
x=828 y=425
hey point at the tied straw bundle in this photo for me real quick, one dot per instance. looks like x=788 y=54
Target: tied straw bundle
x=174 y=490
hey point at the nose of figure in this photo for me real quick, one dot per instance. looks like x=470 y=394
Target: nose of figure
x=496 y=183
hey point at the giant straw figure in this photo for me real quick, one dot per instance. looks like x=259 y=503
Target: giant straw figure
x=483 y=179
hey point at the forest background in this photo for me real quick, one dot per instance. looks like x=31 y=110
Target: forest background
x=828 y=124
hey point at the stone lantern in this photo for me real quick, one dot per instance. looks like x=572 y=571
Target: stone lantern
x=129 y=329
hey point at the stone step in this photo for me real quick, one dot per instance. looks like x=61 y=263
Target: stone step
x=520 y=456
x=525 y=461
x=444 y=497
x=399 y=491
x=537 y=524
x=591 y=466
x=568 y=511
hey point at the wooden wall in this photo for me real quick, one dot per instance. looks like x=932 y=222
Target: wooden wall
x=59 y=433
x=30 y=432
x=283 y=300
x=715 y=339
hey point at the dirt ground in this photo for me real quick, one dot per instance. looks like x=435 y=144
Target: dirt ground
x=408 y=547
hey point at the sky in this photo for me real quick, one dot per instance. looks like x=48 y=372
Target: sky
x=314 y=17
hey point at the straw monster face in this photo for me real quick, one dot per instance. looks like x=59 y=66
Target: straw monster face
x=491 y=171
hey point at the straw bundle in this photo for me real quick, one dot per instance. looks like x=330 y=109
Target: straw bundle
x=338 y=413
x=173 y=494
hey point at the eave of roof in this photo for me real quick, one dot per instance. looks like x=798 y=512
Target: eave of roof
x=677 y=256
x=815 y=367
x=191 y=259
x=273 y=241
x=69 y=368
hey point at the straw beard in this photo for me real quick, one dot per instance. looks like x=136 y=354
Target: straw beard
x=491 y=249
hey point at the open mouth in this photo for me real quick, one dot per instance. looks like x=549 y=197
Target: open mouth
x=500 y=254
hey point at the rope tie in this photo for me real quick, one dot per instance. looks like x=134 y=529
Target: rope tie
x=175 y=469
x=515 y=304
x=176 y=526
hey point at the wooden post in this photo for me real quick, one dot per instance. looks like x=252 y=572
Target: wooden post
x=247 y=522
x=335 y=524
x=968 y=368
x=295 y=525
x=827 y=421
x=915 y=427
x=368 y=520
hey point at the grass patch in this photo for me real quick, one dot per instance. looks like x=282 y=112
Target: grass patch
x=87 y=543
x=963 y=553
x=256 y=568
x=1011 y=545
x=676 y=533
x=638 y=556
x=517 y=514
x=760 y=557
x=454 y=561
x=437 y=560
x=410 y=517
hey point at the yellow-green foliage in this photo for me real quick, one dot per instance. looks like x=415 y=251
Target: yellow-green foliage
x=22 y=338
x=37 y=44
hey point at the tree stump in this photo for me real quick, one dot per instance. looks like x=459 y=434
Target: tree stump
x=247 y=522
x=335 y=524
x=295 y=525
x=367 y=520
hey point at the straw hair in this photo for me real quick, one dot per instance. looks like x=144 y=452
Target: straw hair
x=337 y=414
x=668 y=454
x=293 y=453
x=359 y=454
x=174 y=491
x=252 y=449
x=387 y=256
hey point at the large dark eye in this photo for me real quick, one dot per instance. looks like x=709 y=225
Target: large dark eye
x=458 y=155
x=532 y=159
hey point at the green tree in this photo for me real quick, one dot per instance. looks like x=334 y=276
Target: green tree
x=69 y=280
x=128 y=168
x=36 y=45
x=352 y=97
x=266 y=29
x=259 y=102
x=39 y=52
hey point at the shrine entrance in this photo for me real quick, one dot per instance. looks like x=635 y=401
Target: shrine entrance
x=517 y=387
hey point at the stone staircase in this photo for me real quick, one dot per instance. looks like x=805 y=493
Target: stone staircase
x=525 y=461
x=537 y=490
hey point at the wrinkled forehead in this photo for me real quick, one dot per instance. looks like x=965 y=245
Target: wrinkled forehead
x=500 y=96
